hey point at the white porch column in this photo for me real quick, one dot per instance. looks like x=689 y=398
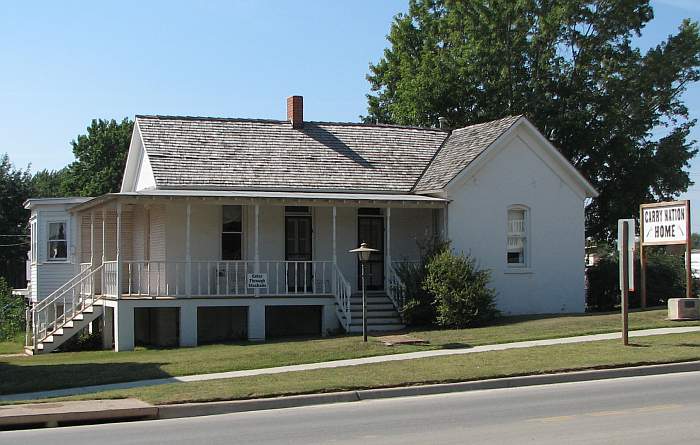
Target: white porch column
x=188 y=252
x=387 y=256
x=256 y=267
x=188 y=324
x=124 y=326
x=118 y=250
x=335 y=250
x=257 y=234
x=445 y=235
x=92 y=239
x=104 y=232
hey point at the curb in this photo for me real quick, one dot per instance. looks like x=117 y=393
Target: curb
x=236 y=406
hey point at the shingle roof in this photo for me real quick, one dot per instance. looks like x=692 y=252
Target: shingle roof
x=238 y=154
x=213 y=153
x=460 y=149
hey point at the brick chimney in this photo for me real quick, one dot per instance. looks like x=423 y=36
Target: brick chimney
x=295 y=111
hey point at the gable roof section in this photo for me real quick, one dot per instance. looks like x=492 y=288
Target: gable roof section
x=460 y=149
x=239 y=154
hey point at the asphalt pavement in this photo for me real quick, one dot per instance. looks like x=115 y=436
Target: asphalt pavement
x=636 y=410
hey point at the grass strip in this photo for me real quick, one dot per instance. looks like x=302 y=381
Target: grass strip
x=66 y=370
x=537 y=360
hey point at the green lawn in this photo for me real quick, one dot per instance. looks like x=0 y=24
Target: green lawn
x=24 y=374
x=536 y=360
x=14 y=346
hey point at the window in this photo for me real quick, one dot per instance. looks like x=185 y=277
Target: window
x=58 y=243
x=232 y=233
x=517 y=237
x=33 y=253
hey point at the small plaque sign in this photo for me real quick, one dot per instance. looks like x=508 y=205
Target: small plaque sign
x=257 y=281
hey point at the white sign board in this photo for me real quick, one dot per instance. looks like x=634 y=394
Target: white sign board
x=257 y=281
x=665 y=224
x=630 y=250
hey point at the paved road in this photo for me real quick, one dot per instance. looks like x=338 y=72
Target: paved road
x=637 y=410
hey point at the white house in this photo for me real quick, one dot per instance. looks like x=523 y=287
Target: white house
x=240 y=228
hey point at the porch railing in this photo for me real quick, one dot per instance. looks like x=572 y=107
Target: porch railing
x=221 y=278
x=396 y=289
x=343 y=292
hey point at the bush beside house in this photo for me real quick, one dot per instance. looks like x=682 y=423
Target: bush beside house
x=665 y=279
x=12 y=312
x=445 y=289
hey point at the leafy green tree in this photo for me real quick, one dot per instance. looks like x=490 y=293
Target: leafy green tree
x=572 y=67
x=15 y=185
x=100 y=158
x=12 y=312
x=695 y=240
x=50 y=183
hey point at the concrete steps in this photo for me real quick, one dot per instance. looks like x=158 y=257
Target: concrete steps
x=381 y=313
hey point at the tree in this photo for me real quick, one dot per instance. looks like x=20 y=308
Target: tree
x=570 y=66
x=50 y=183
x=15 y=187
x=100 y=158
x=695 y=240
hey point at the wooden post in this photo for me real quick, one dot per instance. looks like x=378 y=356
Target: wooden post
x=688 y=249
x=335 y=252
x=625 y=281
x=642 y=262
x=387 y=256
x=92 y=239
x=118 y=251
x=188 y=252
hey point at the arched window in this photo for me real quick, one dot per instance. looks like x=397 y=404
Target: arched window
x=517 y=251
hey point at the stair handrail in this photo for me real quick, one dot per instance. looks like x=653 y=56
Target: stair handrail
x=343 y=293
x=396 y=289
x=53 y=295
x=45 y=324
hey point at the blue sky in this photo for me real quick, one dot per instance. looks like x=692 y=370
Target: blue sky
x=65 y=63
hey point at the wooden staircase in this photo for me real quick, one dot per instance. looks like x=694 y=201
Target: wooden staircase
x=67 y=330
x=64 y=313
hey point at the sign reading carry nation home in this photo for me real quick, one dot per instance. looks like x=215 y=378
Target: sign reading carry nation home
x=665 y=223
x=257 y=281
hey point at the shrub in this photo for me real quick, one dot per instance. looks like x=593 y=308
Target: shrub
x=12 y=312
x=84 y=341
x=462 y=295
x=419 y=304
x=665 y=279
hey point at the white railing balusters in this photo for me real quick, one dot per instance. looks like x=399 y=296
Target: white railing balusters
x=396 y=290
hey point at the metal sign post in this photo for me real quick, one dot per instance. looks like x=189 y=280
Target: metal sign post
x=625 y=244
x=662 y=224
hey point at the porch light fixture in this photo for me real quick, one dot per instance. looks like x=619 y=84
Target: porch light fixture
x=363 y=253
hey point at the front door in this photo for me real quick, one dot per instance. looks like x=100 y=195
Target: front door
x=370 y=230
x=297 y=250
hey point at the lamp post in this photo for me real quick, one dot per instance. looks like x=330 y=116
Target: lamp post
x=363 y=253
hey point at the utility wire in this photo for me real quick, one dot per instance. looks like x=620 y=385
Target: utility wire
x=13 y=245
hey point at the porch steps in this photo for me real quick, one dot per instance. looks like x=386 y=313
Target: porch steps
x=67 y=330
x=381 y=313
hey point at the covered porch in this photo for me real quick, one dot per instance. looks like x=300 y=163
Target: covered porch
x=235 y=244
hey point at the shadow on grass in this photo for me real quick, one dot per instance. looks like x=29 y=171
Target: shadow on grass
x=19 y=379
x=456 y=346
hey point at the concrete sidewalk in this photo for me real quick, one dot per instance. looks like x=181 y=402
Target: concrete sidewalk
x=341 y=363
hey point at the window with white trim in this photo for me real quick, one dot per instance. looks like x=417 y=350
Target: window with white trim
x=58 y=241
x=232 y=233
x=517 y=248
x=33 y=252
